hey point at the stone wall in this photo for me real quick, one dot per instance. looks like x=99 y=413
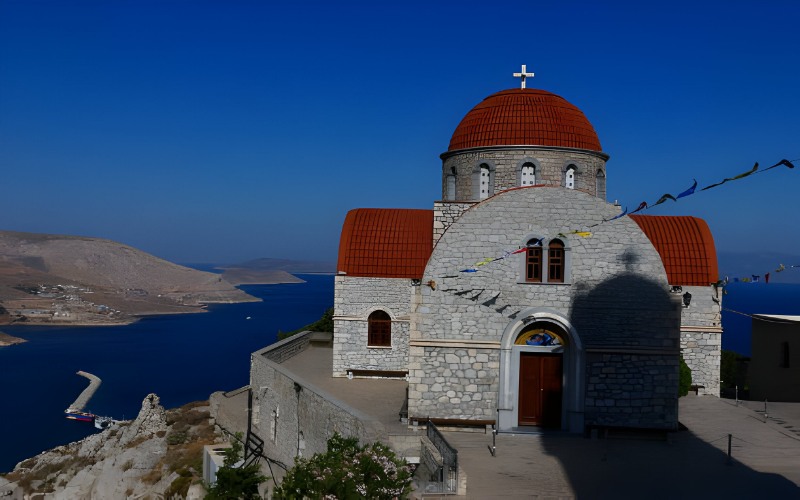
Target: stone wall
x=702 y=353
x=462 y=379
x=632 y=390
x=444 y=214
x=616 y=299
x=355 y=299
x=608 y=273
x=701 y=337
x=506 y=162
x=295 y=418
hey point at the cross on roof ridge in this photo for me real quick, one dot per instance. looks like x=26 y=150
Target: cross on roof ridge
x=522 y=75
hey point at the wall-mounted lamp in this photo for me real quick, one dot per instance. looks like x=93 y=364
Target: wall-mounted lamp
x=687 y=299
x=431 y=284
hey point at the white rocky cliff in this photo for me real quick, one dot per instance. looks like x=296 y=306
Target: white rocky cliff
x=158 y=453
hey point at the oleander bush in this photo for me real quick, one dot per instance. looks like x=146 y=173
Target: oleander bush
x=348 y=470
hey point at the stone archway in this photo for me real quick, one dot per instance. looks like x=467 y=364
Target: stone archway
x=541 y=384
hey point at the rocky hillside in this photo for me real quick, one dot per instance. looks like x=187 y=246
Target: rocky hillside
x=76 y=280
x=157 y=455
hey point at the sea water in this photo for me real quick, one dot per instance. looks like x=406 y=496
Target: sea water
x=182 y=358
x=742 y=300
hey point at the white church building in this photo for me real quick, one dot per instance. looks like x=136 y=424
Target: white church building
x=521 y=299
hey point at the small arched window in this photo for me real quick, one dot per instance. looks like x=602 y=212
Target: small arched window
x=484 y=181
x=533 y=261
x=600 y=185
x=527 y=176
x=569 y=177
x=379 y=327
x=555 y=262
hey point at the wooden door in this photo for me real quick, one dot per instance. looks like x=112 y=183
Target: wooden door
x=540 y=389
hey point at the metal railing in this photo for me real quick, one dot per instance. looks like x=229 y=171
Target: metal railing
x=448 y=471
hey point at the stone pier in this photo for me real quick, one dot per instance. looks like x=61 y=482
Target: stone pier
x=86 y=395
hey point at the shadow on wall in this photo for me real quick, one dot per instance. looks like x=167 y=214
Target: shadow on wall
x=630 y=328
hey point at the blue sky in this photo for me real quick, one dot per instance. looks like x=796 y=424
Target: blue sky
x=225 y=131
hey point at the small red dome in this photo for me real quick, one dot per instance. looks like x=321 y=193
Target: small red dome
x=525 y=117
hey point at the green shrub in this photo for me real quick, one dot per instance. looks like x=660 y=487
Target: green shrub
x=177 y=438
x=348 y=470
x=685 y=379
x=236 y=482
x=324 y=324
x=733 y=370
x=179 y=487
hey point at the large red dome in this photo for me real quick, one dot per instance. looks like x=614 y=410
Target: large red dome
x=525 y=117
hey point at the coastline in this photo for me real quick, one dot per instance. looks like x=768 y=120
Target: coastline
x=139 y=309
x=7 y=340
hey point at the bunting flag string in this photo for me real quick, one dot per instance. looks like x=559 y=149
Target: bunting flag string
x=506 y=254
x=740 y=176
x=691 y=190
x=644 y=206
x=756 y=278
x=582 y=234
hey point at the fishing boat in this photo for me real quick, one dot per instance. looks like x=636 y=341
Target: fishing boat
x=73 y=414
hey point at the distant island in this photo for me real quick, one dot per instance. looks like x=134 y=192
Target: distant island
x=267 y=271
x=50 y=279
x=70 y=280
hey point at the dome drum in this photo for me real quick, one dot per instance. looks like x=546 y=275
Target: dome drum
x=461 y=169
x=518 y=138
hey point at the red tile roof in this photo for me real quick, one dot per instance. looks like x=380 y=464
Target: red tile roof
x=685 y=245
x=386 y=243
x=525 y=117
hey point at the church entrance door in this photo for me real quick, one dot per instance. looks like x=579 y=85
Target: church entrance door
x=540 y=376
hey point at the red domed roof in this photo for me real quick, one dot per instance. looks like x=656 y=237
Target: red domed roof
x=525 y=117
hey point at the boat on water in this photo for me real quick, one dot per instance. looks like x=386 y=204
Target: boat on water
x=83 y=416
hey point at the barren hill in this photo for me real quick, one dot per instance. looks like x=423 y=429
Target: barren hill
x=77 y=280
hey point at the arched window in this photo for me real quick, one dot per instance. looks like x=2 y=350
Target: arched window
x=527 y=176
x=533 y=261
x=600 y=185
x=484 y=181
x=555 y=262
x=450 y=193
x=379 y=327
x=569 y=177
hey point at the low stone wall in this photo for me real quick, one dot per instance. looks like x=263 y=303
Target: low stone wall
x=294 y=417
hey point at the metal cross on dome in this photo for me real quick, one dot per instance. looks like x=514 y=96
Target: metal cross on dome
x=523 y=74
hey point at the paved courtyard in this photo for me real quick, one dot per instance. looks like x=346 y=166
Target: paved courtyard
x=691 y=463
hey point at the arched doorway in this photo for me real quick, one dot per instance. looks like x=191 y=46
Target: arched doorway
x=541 y=374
